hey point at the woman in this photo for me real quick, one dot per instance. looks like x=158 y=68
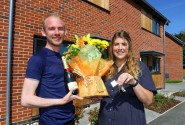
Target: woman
x=135 y=87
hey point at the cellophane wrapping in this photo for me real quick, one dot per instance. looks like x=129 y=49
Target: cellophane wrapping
x=90 y=68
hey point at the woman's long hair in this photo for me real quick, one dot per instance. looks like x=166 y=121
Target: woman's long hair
x=131 y=65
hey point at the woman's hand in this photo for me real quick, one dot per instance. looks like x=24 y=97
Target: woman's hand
x=142 y=94
x=126 y=78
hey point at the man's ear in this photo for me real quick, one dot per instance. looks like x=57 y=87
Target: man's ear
x=43 y=32
x=66 y=32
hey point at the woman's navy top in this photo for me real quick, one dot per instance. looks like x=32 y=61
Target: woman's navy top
x=124 y=108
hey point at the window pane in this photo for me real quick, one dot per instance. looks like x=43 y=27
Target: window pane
x=155 y=26
x=158 y=28
x=156 y=65
x=144 y=59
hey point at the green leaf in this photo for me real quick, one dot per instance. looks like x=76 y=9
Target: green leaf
x=88 y=35
x=76 y=37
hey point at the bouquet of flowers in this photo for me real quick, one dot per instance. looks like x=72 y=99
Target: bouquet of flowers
x=85 y=59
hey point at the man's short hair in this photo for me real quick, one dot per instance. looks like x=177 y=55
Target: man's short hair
x=55 y=14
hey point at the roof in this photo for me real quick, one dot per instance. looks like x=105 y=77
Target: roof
x=153 y=53
x=174 y=38
x=152 y=10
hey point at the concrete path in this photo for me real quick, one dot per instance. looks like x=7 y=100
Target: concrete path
x=175 y=116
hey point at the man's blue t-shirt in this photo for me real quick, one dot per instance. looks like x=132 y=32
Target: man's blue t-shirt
x=47 y=67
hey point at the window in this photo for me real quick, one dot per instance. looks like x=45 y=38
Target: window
x=152 y=62
x=40 y=42
x=101 y=3
x=150 y=23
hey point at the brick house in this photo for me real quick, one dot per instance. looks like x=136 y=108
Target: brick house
x=174 y=63
x=100 y=18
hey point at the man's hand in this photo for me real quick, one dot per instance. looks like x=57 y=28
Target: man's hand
x=70 y=97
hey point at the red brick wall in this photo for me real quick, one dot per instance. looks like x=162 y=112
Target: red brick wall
x=81 y=18
x=174 y=59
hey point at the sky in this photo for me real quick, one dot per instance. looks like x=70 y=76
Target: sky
x=174 y=11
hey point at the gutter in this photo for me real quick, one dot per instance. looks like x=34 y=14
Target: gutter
x=175 y=38
x=9 y=63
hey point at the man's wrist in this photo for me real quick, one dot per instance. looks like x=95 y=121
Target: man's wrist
x=135 y=84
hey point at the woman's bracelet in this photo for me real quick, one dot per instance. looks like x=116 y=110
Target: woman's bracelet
x=137 y=82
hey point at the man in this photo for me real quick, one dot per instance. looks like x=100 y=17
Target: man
x=45 y=77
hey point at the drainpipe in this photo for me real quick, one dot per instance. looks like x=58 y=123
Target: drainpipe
x=182 y=62
x=164 y=39
x=9 y=63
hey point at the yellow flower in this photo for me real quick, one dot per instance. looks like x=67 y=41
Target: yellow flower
x=81 y=41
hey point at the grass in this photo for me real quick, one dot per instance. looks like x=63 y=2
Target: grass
x=180 y=93
x=173 y=81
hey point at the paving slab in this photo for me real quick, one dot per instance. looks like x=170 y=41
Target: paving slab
x=151 y=115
